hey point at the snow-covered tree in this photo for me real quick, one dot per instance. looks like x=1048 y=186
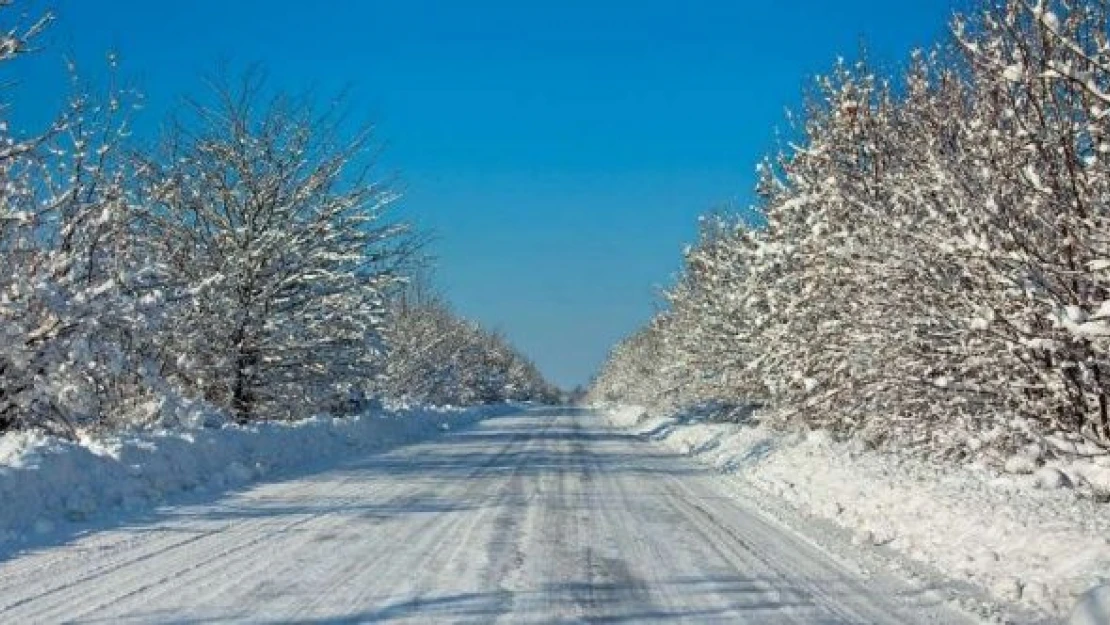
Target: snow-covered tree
x=929 y=265
x=278 y=252
x=437 y=357
x=248 y=266
x=69 y=306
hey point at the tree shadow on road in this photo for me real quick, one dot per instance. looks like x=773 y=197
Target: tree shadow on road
x=724 y=599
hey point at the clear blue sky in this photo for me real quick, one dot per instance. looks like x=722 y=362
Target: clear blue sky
x=560 y=150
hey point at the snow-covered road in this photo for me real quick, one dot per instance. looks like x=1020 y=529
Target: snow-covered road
x=547 y=516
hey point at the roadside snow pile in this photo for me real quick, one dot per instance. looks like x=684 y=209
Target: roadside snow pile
x=1023 y=535
x=626 y=416
x=45 y=481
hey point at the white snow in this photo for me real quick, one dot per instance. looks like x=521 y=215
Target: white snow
x=1025 y=536
x=1021 y=465
x=1093 y=608
x=543 y=516
x=1013 y=73
x=46 y=481
x=626 y=416
x=1051 y=478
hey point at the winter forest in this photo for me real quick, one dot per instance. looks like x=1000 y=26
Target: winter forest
x=244 y=265
x=928 y=267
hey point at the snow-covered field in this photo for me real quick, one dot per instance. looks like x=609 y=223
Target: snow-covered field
x=50 y=486
x=1024 y=536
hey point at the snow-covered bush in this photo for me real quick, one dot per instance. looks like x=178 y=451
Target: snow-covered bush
x=928 y=263
x=70 y=307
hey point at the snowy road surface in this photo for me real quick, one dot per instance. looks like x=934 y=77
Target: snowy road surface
x=547 y=516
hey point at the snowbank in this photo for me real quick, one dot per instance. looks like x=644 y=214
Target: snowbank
x=45 y=481
x=626 y=416
x=1022 y=542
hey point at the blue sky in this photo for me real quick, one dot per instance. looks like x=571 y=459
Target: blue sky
x=561 y=151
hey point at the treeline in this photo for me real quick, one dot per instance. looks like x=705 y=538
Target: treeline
x=929 y=262
x=247 y=263
x=437 y=357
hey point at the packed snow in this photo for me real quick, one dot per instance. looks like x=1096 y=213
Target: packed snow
x=1025 y=536
x=541 y=516
x=47 y=483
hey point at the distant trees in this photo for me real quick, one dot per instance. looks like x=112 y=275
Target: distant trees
x=929 y=264
x=248 y=265
x=439 y=358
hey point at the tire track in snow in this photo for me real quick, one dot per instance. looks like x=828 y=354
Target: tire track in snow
x=540 y=517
